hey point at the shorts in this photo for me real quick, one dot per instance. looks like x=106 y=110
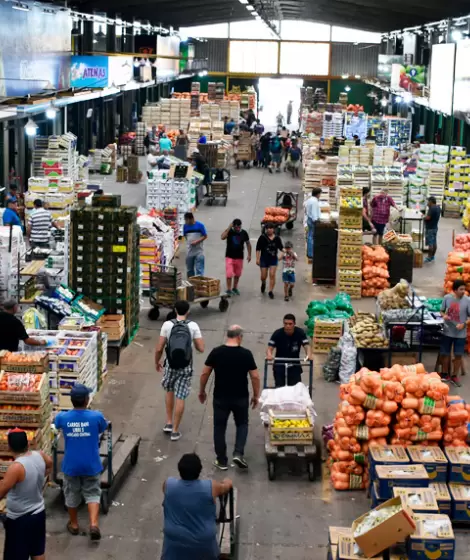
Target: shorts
x=276 y=158
x=446 y=346
x=268 y=261
x=288 y=277
x=365 y=225
x=78 y=487
x=431 y=237
x=178 y=381
x=25 y=537
x=293 y=164
x=233 y=267
x=380 y=228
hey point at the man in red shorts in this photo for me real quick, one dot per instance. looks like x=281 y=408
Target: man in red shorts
x=236 y=239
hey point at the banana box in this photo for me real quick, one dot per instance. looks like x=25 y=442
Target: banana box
x=332 y=552
x=387 y=455
x=433 y=459
x=406 y=476
x=459 y=464
x=460 y=508
x=376 y=499
x=349 y=550
x=419 y=500
x=442 y=496
x=333 y=538
x=432 y=539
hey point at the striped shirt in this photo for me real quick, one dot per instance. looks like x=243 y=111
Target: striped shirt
x=41 y=223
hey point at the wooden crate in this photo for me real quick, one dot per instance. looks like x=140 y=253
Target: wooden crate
x=205 y=286
x=328 y=329
x=349 y=262
x=21 y=418
x=113 y=325
x=323 y=345
x=350 y=221
x=350 y=237
x=35 y=398
x=350 y=191
x=290 y=435
x=9 y=363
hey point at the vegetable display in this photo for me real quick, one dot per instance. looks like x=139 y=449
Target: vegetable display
x=374 y=270
x=367 y=332
x=456 y=422
x=458 y=268
x=396 y=297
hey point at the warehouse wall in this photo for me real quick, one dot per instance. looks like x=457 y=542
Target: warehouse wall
x=216 y=52
x=354 y=59
x=357 y=95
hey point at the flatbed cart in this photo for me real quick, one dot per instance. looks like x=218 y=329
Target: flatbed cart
x=115 y=450
x=289 y=201
x=297 y=457
x=164 y=291
x=219 y=188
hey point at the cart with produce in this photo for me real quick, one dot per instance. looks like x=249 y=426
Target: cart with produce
x=167 y=287
x=284 y=213
x=115 y=451
x=289 y=439
x=243 y=150
x=219 y=188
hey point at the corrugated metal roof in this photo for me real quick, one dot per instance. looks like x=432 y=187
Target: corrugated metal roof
x=216 y=53
x=354 y=59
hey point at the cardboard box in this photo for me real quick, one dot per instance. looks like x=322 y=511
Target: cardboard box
x=376 y=498
x=392 y=530
x=335 y=532
x=433 y=459
x=349 y=550
x=442 y=496
x=404 y=358
x=407 y=476
x=387 y=455
x=398 y=552
x=332 y=552
x=459 y=464
x=433 y=538
x=460 y=507
x=419 y=500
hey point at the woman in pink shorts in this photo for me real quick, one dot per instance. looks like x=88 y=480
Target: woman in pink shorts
x=236 y=239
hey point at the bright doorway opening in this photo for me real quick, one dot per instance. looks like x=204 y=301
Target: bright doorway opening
x=274 y=97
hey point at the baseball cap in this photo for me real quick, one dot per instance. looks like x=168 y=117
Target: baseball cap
x=79 y=391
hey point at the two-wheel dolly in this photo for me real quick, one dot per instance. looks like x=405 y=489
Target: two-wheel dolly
x=115 y=452
x=293 y=458
x=228 y=525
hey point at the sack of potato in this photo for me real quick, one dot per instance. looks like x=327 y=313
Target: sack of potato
x=395 y=298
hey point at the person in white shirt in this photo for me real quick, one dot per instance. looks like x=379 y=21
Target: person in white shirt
x=164 y=161
x=152 y=160
x=312 y=209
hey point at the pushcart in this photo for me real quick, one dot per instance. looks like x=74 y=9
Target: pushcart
x=220 y=186
x=288 y=201
x=243 y=150
x=115 y=451
x=296 y=458
x=228 y=525
x=165 y=286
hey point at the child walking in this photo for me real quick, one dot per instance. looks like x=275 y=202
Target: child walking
x=288 y=269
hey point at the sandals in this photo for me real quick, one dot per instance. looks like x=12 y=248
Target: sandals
x=73 y=530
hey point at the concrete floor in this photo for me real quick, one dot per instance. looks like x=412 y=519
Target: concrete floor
x=284 y=519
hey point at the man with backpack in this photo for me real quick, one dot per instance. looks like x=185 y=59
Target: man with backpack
x=177 y=337
x=276 y=153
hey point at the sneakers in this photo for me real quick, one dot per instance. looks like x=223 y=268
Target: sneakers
x=270 y=170
x=236 y=291
x=429 y=259
x=444 y=376
x=175 y=436
x=286 y=298
x=229 y=292
x=240 y=462
x=168 y=428
x=271 y=295
x=221 y=466
x=455 y=380
x=263 y=287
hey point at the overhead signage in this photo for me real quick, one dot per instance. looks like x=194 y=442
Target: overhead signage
x=89 y=72
x=410 y=78
x=462 y=81
x=442 y=77
x=120 y=70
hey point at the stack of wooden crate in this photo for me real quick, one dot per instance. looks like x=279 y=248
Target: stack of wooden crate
x=326 y=334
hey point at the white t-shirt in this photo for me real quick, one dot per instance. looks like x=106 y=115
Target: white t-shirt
x=152 y=162
x=193 y=329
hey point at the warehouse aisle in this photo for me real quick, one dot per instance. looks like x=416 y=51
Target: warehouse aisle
x=284 y=519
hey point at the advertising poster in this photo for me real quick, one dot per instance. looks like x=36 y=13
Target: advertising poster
x=442 y=77
x=384 y=68
x=462 y=81
x=410 y=78
x=34 y=49
x=167 y=68
x=121 y=70
x=89 y=72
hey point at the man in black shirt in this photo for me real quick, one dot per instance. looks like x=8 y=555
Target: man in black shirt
x=287 y=343
x=232 y=364
x=12 y=329
x=431 y=221
x=236 y=239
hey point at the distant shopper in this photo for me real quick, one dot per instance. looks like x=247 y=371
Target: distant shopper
x=294 y=159
x=236 y=238
x=357 y=140
x=381 y=204
x=153 y=137
x=268 y=247
x=13 y=330
x=258 y=128
x=289 y=112
x=82 y=465
x=23 y=484
x=12 y=194
x=287 y=343
x=202 y=167
x=165 y=142
x=313 y=212
x=229 y=126
x=152 y=160
x=189 y=512
x=289 y=258
x=367 y=225
x=164 y=161
x=276 y=152
x=195 y=234
x=265 y=144
x=10 y=214
x=431 y=222
x=455 y=310
x=232 y=365
x=181 y=146
x=40 y=224
x=177 y=337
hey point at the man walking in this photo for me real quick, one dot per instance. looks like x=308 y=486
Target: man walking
x=381 y=205
x=232 y=365
x=177 y=337
x=313 y=212
x=234 y=254
x=82 y=465
x=40 y=224
x=287 y=343
x=431 y=222
x=195 y=234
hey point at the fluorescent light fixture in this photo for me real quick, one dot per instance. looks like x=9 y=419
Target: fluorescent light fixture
x=457 y=35
x=254 y=14
x=357 y=76
x=21 y=7
x=345 y=76
x=250 y=8
x=51 y=112
x=31 y=128
x=244 y=2
x=347 y=88
x=384 y=101
x=407 y=97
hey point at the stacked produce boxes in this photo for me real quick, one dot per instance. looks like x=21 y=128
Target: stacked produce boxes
x=349 y=261
x=105 y=241
x=457 y=190
x=326 y=334
x=11 y=251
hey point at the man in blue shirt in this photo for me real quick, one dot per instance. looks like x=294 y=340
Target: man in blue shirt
x=10 y=215
x=229 y=126
x=431 y=221
x=195 y=234
x=82 y=464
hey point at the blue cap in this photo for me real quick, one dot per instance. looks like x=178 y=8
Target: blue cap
x=79 y=391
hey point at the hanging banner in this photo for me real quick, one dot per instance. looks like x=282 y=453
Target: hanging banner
x=120 y=70
x=89 y=71
x=462 y=81
x=442 y=77
x=410 y=78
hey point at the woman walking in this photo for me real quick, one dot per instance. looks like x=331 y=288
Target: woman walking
x=267 y=249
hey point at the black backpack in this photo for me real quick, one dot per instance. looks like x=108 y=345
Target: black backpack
x=179 y=346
